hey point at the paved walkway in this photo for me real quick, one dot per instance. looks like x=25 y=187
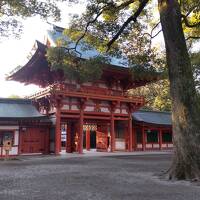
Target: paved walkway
x=91 y=153
x=92 y=176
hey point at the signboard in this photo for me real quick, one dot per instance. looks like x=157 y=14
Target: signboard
x=7 y=145
x=101 y=141
x=63 y=136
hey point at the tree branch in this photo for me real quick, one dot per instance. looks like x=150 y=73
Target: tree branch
x=190 y=11
x=121 y=6
x=193 y=37
x=187 y=22
x=126 y=23
x=86 y=28
x=151 y=34
x=125 y=4
x=154 y=28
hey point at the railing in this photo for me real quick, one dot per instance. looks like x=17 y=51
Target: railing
x=86 y=90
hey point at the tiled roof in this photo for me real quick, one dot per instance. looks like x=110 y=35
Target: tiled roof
x=56 y=33
x=18 y=109
x=153 y=117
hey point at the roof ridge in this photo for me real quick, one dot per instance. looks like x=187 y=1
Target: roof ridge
x=154 y=111
x=15 y=100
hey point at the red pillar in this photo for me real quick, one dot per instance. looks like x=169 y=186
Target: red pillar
x=80 y=140
x=88 y=140
x=134 y=139
x=58 y=132
x=130 y=128
x=112 y=132
x=143 y=140
x=160 y=139
x=69 y=139
x=47 y=141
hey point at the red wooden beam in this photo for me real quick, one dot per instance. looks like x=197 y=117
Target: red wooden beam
x=130 y=133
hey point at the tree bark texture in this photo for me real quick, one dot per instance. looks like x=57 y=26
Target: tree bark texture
x=185 y=105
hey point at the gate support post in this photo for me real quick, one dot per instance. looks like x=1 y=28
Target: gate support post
x=58 y=129
x=87 y=139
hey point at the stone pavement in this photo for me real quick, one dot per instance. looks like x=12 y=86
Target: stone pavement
x=92 y=176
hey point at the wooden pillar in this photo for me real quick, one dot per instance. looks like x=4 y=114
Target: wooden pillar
x=143 y=139
x=112 y=132
x=80 y=137
x=134 y=138
x=130 y=128
x=87 y=139
x=58 y=131
x=126 y=129
x=160 y=139
x=69 y=138
x=47 y=141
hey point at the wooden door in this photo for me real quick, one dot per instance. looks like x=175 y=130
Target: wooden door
x=33 y=140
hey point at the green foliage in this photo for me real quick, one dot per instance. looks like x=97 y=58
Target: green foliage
x=157 y=95
x=134 y=42
x=74 y=67
x=191 y=9
x=11 y=11
x=14 y=96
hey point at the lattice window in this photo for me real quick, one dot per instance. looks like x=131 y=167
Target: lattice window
x=92 y=127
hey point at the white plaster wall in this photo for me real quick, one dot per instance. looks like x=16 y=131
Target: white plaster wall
x=14 y=151
x=16 y=138
x=74 y=107
x=148 y=145
x=117 y=110
x=102 y=85
x=89 y=108
x=139 y=146
x=124 y=111
x=120 y=144
x=105 y=110
x=9 y=127
x=170 y=145
x=65 y=107
x=155 y=145
x=164 y=145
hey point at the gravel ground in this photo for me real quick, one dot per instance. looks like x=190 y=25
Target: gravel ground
x=124 y=177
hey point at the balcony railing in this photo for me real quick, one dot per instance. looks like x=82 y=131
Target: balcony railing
x=87 y=91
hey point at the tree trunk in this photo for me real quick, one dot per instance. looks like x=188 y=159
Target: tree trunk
x=185 y=105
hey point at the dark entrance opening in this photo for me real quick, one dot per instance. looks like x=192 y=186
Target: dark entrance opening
x=84 y=139
x=93 y=139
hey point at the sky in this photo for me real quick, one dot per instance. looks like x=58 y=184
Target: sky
x=13 y=52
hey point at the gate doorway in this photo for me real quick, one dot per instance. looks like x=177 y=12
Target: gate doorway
x=92 y=140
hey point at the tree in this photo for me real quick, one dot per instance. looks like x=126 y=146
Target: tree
x=14 y=96
x=195 y=59
x=107 y=25
x=157 y=96
x=11 y=11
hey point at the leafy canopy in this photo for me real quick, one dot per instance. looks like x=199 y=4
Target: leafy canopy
x=12 y=11
x=127 y=29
